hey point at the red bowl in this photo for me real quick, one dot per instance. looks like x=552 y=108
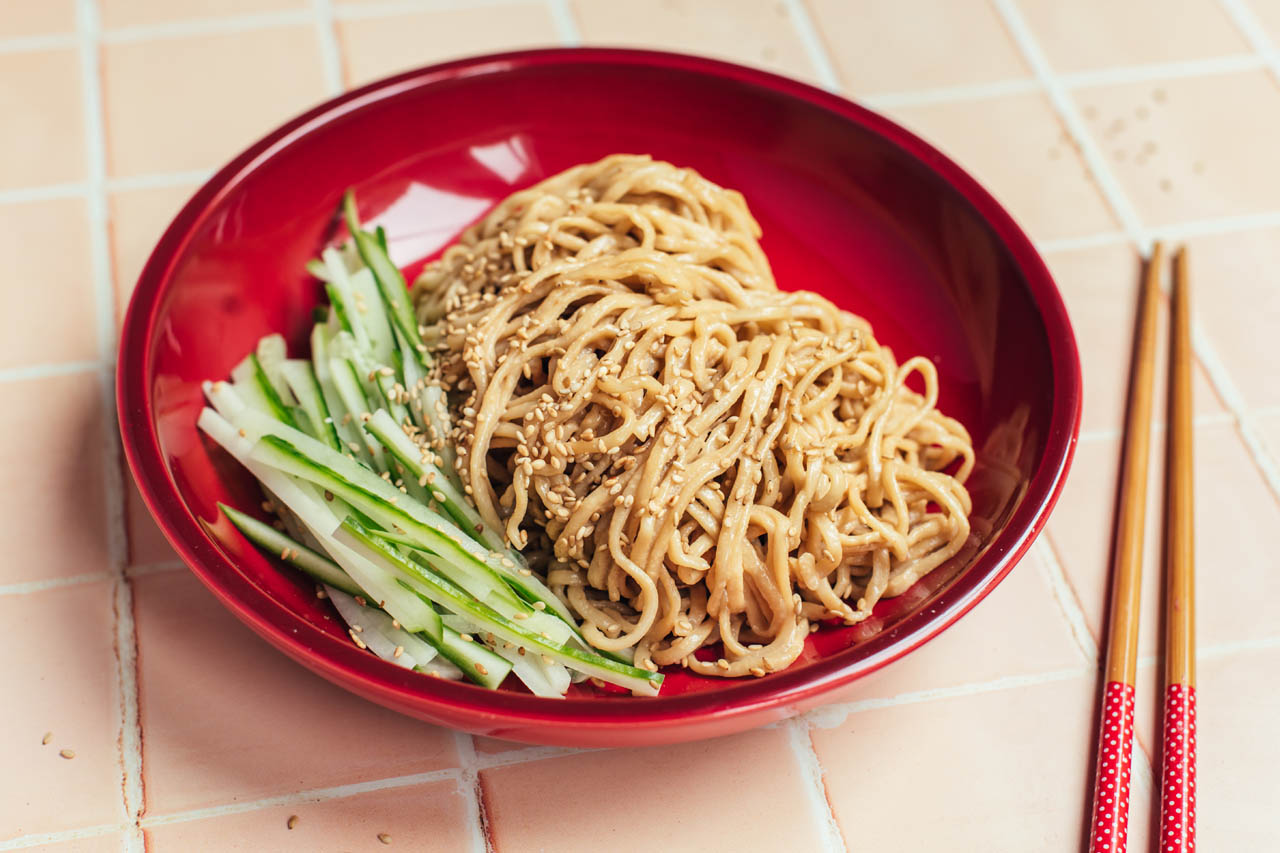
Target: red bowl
x=852 y=206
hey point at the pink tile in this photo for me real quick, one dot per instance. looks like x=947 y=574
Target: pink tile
x=896 y=46
x=693 y=796
x=147 y=545
x=1176 y=145
x=1004 y=770
x=1016 y=146
x=750 y=32
x=226 y=717
x=1231 y=497
x=1236 y=293
x=60 y=661
x=138 y=218
x=46 y=247
x=53 y=512
x=380 y=46
x=1100 y=287
x=1019 y=629
x=40 y=93
x=211 y=100
x=129 y=13
x=420 y=817
x=1236 y=757
x=1088 y=34
x=46 y=17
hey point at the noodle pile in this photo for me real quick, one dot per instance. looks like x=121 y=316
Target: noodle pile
x=692 y=456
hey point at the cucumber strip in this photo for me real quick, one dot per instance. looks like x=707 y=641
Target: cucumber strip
x=249 y=373
x=339 y=314
x=435 y=409
x=340 y=284
x=347 y=383
x=475 y=660
x=391 y=284
x=317 y=268
x=347 y=431
x=315 y=514
x=384 y=428
x=377 y=381
x=365 y=627
x=533 y=676
x=306 y=388
x=271 y=353
x=275 y=543
x=443 y=592
x=372 y=315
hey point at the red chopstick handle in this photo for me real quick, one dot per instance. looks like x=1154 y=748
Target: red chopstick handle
x=1111 y=783
x=1178 y=775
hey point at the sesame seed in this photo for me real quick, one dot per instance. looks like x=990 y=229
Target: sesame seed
x=399 y=651
x=48 y=736
x=291 y=822
x=384 y=838
x=67 y=753
x=480 y=668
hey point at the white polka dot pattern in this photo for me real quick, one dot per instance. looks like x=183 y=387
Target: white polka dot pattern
x=1178 y=775
x=1111 y=784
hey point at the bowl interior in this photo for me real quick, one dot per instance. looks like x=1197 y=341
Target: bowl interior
x=845 y=209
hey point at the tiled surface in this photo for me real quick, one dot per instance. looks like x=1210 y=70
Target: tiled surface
x=660 y=790
x=62 y=671
x=414 y=817
x=37 y=19
x=379 y=46
x=206 y=744
x=48 y=244
x=1091 y=34
x=1018 y=147
x=893 y=46
x=53 y=520
x=1176 y=145
x=209 y=102
x=50 y=149
x=753 y=32
x=211 y=739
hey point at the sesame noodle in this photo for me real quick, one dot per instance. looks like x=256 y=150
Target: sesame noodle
x=691 y=457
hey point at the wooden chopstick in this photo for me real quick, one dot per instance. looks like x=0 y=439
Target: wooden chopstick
x=1178 y=773
x=1109 y=832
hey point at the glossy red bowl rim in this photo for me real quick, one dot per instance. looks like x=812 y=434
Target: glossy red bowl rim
x=794 y=689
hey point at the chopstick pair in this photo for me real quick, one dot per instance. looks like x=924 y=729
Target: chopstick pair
x=1110 y=814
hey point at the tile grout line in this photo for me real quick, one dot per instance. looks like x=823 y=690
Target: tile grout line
x=314 y=795
x=205 y=27
x=1204 y=419
x=43 y=839
x=531 y=753
x=1068 y=599
x=49 y=370
x=566 y=23
x=472 y=794
x=29 y=587
x=45 y=192
x=330 y=53
x=951 y=94
x=802 y=23
x=816 y=788
x=41 y=41
x=126 y=651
